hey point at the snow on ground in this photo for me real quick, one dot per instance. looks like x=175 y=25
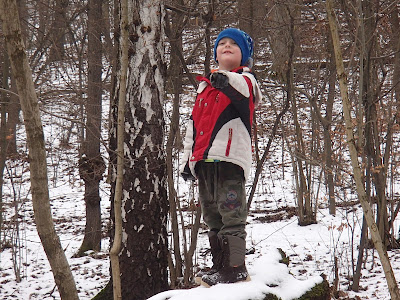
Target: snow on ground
x=267 y=276
x=311 y=250
x=90 y=272
x=271 y=225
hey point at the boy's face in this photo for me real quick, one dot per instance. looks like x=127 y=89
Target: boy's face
x=229 y=54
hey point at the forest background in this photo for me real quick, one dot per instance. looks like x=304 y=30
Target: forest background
x=76 y=56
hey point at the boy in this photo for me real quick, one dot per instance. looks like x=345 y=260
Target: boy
x=217 y=151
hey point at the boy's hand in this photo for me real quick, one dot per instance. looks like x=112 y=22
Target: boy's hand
x=219 y=80
x=187 y=176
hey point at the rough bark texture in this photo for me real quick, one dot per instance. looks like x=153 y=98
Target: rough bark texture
x=37 y=153
x=143 y=258
x=91 y=165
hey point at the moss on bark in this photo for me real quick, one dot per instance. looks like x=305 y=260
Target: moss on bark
x=320 y=291
x=106 y=293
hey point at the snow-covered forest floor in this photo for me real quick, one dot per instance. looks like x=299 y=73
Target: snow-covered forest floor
x=329 y=247
x=272 y=224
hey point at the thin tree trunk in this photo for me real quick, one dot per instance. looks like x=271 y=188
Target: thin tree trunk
x=369 y=97
x=306 y=215
x=395 y=25
x=91 y=165
x=192 y=247
x=376 y=238
x=261 y=161
x=209 y=19
x=245 y=10
x=283 y=47
x=327 y=130
x=14 y=106
x=3 y=132
x=59 y=26
x=173 y=31
x=13 y=112
x=366 y=161
x=37 y=152
x=117 y=243
x=363 y=241
x=43 y=8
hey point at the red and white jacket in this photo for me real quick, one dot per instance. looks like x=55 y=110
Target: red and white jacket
x=221 y=121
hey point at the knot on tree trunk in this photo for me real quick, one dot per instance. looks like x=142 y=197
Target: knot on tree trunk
x=91 y=169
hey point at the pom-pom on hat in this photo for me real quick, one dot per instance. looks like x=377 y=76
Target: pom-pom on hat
x=244 y=41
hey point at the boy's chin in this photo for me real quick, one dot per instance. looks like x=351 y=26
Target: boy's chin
x=228 y=65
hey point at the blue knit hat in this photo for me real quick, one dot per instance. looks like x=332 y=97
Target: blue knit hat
x=241 y=38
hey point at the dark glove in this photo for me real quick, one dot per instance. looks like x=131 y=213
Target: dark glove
x=219 y=81
x=187 y=174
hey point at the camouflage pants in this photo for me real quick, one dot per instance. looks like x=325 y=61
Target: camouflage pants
x=223 y=197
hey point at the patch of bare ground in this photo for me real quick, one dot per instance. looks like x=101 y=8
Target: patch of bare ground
x=273 y=215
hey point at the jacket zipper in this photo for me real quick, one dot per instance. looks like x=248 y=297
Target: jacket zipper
x=228 y=146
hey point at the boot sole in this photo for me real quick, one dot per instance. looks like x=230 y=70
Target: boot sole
x=248 y=278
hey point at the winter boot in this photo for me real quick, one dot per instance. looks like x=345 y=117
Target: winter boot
x=216 y=256
x=233 y=265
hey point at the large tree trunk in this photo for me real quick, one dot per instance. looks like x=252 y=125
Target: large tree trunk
x=37 y=152
x=376 y=238
x=143 y=258
x=91 y=165
x=144 y=255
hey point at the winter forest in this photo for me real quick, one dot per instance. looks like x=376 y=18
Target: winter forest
x=95 y=97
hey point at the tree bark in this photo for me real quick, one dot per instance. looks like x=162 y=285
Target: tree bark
x=363 y=242
x=59 y=26
x=143 y=259
x=174 y=33
x=327 y=130
x=120 y=136
x=37 y=152
x=4 y=99
x=376 y=238
x=395 y=25
x=246 y=19
x=14 y=107
x=13 y=112
x=370 y=100
x=91 y=165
